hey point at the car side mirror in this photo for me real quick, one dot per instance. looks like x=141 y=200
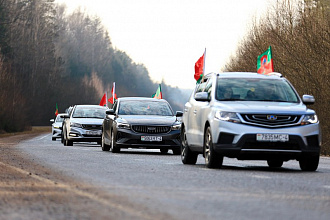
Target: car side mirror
x=179 y=114
x=308 y=99
x=202 y=96
x=65 y=116
x=52 y=120
x=110 y=112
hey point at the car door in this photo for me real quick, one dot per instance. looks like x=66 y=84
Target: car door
x=108 y=121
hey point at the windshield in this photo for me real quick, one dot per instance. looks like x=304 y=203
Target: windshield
x=59 y=119
x=256 y=89
x=144 y=108
x=88 y=112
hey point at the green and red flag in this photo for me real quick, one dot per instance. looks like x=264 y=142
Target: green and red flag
x=199 y=68
x=158 y=94
x=103 y=101
x=265 y=62
x=56 y=110
x=113 y=97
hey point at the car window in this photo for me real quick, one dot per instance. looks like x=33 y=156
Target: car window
x=88 y=112
x=144 y=108
x=255 y=89
x=59 y=119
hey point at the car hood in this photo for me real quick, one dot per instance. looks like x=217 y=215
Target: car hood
x=262 y=107
x=148 y=119
x=91 y=121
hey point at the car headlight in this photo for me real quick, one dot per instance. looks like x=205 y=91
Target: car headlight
x=176 y=126
x=56 y=126
x=72 y=124
x=227 y=116
x=123 y=125
x=309 y=119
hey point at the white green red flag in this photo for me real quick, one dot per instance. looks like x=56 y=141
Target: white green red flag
x=56 y=110
x=158 y=94
x=199 y=68
x=265 y=62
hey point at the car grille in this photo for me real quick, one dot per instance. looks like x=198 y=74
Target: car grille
x=271 y=120
x=92 y=127
x=151 y=129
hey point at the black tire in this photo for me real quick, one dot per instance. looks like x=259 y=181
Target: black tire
x=309 y=163
x=113 y=148
x=275 y=163
x=67 y=142
x=176 y=151
x=187 y=156
x=53 y=139
x=105 y=147
x=62 y=138
x=164 y=150
x=212 y=158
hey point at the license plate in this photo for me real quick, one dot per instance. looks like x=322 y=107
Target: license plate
x=151 y=138
x=273 y=137
x=93 y=133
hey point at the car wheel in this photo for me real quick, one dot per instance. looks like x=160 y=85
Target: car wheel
x=309 y=163
x=164 y=150
x=62 y=138
x=176 y=151
x=187 y=156
x=53 y=139
x=275 y=163
x=212 y=158
x=113 y=148
x=104 y=146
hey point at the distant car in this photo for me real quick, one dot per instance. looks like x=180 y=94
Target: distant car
x=83 y=124
x=250 y=116
x=141 y=123
x=57 y=126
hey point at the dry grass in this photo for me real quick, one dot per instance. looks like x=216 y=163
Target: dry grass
x=31 y=130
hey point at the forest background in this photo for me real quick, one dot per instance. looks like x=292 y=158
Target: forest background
x=48 y=56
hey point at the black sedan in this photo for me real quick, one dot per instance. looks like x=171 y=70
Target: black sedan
x=147 y=123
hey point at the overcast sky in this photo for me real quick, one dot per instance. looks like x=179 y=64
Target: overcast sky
x=168 y=36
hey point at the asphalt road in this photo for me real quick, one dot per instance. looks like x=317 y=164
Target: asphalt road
x=162 y=184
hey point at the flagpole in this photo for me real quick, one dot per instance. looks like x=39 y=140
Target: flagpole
x=203 y=65
x=106 y=98
x=113 y=92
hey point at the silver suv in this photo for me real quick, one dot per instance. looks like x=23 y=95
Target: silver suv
x=250 y=116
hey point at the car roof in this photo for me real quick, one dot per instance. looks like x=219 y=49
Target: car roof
x=141 y=99
x=90 y=106
x=246 y=75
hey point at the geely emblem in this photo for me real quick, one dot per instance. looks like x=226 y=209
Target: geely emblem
x=271 y=117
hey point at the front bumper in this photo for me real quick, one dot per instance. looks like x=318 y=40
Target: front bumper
x=129 y=139
x=240 y=141
x=84 y=135
x=56 y=133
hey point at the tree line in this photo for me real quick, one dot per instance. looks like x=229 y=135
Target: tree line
x=300 y=38
x=48 y=56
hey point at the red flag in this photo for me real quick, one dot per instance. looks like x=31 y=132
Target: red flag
x=265 y=62
x=199 y=68
x=113 y=97
x=103 y=101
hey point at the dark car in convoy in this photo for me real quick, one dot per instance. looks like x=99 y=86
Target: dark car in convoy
x=136 y=122
x=83 y=124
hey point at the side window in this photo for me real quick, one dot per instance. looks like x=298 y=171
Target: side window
x=208 y=87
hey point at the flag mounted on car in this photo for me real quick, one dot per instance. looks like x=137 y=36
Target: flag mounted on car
x=56 y=110
x=158 y=94
x=103 y=101
x=199 y=68
x=265 y=62
x=113 y=97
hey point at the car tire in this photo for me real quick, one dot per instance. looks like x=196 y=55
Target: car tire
x=53 y=139
x=163 y=150
x=105 y=147
x=176 y=151
x=309 y=163
x=212 y=158
x=113 y=148
x=275 y=163
x=187 y=155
